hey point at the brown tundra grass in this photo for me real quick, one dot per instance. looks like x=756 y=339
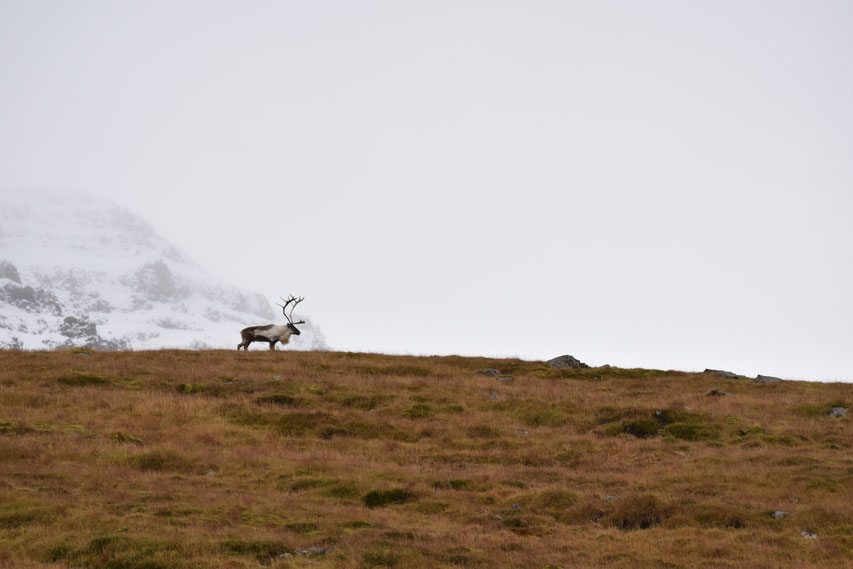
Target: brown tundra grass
x=182 y=459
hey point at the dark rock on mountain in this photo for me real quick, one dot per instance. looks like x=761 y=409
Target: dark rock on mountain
x=9 y=271
x=73 y=327
x=32 y=300
x=154 y=282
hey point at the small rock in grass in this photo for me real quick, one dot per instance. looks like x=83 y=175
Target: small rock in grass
x=309 y=551
x=766 y=379
x=276 y=378
x=778 y=514
x=610 y=498
x=719 y=393
x=505 y=378
x=210 y=472
x=836 y=412
x=490 y=372
x=521 y=432
x=808 y=534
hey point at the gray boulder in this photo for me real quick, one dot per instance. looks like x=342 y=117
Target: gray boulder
x=719 y=393
x=723 y=373
x=766 y=379
x=489 y=372
x=566 y=361
x=836 y=412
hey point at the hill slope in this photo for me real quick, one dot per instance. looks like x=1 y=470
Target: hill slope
x=178 y=459
x=75 y=270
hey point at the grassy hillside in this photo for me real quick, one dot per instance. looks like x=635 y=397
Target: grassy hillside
x=181 y=459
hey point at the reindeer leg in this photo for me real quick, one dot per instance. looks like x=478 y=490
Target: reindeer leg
x=272 y=345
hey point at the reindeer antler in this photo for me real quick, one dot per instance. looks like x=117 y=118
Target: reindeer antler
x=295 y=301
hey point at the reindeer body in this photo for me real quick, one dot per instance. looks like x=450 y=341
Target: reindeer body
x=272 y=333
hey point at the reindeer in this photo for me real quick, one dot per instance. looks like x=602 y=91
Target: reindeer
x=272 y=333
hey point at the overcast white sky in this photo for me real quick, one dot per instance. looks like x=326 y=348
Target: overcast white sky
x=657 y=184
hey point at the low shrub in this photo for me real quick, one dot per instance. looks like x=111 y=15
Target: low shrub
x=83 y=380
x=364 y=402
x=162 y=461
x=282 y=400
x=721 y=515
x=382 y=498
x=694 y=432
x=542 y=415
x=301 y=527
x=262 y=551
x=482 y=432
x=457 y=484
x=642 y=428
x=16 y=514
x=121 y=437
x=638 y=511
x=9 y=428
x=554 y=502
x=419 y=411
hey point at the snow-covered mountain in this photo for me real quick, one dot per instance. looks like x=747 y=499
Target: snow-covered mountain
x=76 y=270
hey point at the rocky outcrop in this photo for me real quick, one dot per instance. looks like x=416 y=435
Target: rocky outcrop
x=75 y=328
x=155 y=282
x=566 y=361
x=723 y=373
x=766 y=379
x=82 y=331
x=33 y=300
x=9 y=271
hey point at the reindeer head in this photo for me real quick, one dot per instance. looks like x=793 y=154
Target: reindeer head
x=292 y=301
